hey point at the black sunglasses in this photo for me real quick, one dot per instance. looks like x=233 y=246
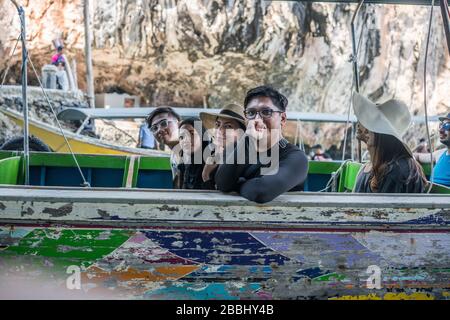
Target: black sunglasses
x=445 y=126
x=265 y=113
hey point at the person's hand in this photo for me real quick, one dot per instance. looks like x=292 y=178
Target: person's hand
x=207 y=170
x=256 y=129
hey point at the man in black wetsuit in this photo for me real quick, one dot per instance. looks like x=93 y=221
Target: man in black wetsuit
x=263 y=165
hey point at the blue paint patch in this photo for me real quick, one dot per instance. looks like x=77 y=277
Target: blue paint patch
x=12 y=237
x=310 y=273
x=213 y=273
x=324 y=250
x=431 y=219
x=217 y=248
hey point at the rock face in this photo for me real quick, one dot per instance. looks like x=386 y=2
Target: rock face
x=210 y=52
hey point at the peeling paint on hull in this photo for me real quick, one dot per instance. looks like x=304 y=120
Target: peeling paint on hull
x=223 y=248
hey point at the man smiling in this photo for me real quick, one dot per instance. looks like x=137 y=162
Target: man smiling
x=163 y=123
x=286 y=167
x=442 y=157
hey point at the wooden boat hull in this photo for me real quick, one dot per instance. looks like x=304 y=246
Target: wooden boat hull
x=195 y=245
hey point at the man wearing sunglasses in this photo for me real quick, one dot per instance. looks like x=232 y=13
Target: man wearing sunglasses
x=265 y=113
x=442 y=156
x=163 y=124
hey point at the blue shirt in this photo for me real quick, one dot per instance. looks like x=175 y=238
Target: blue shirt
x=442 y=170
x=146 y=137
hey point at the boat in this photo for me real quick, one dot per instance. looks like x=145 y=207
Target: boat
x=129 y=235
x=79 y=143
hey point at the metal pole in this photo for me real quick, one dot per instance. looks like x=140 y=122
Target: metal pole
x=88 y=57
x=26 y=148
x=355 y=63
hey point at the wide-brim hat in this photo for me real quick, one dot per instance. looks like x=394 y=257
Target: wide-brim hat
x=230 y=111
x=447 y=117
x=391 y=117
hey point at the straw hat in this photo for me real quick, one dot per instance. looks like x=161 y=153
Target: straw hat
x=230 y=111
x=391 y=117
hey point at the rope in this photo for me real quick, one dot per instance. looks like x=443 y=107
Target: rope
x=85 y=183
x=425 y=96
x=9 y=61
x=334 y=176
x=344 y=148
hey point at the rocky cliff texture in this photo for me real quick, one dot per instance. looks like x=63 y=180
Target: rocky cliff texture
x=197 y=52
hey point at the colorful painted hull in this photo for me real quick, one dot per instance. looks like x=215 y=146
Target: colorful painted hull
x=196 y=245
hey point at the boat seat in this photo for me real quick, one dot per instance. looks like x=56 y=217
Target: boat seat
x=9 y=170
x=348 y=176
x=439 y=188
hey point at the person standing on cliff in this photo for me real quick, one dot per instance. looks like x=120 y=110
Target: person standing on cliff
x=163 y=123
x=58 y=57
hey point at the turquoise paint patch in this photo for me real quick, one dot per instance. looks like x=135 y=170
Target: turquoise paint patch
x=211 y=291
x=16 y=233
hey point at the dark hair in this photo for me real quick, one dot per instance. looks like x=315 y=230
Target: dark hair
x=191 y=121
x=389 y=149
x=316 y=146
x=59 y=48
x=277 y=98
x=160 y=110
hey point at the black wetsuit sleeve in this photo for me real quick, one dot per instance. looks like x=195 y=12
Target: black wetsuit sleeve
x=292 y=171
x=228 y=173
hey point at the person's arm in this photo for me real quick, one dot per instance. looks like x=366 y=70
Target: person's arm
x=228 y=173
x=426 y=157
x=292 y=171
x=139 y=138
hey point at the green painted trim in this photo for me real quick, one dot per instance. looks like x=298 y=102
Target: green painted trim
x=155 y=163
x=9 y=170
x=125 y=171
x=8 y=154
x=66 y=160
x=137 y=166
x=438 y=188
x=426 y=168
x=323 y=167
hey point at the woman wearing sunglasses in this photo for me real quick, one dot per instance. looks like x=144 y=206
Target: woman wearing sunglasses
x=392 y=167
x=442 y=157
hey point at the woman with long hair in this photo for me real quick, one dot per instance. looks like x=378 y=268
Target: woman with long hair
x=192 y=149
x=392 y=167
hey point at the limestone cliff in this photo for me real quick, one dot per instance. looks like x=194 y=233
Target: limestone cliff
x=196 y=52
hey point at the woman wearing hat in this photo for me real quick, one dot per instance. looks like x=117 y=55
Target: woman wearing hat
x=225 y=128
x=392 y=168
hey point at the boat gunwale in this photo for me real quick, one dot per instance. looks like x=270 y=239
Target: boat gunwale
x=217 y=198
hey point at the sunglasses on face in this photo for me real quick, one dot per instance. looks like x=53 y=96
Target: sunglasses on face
x=445 y=126
x=161 y=124
x=265 y=113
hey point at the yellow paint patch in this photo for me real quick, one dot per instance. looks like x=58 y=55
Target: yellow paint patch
x=412 y=296
x=371 y=296
x=389 y=296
